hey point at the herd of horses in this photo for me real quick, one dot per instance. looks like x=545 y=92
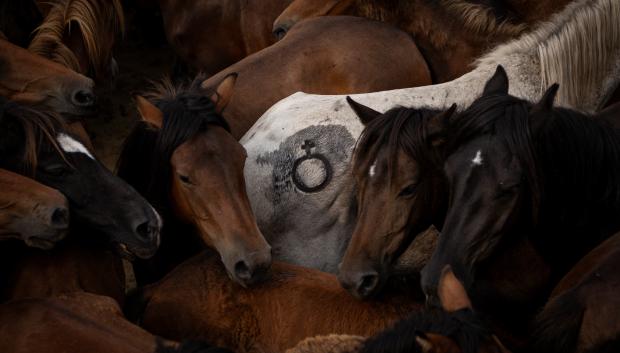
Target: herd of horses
x=448 y=182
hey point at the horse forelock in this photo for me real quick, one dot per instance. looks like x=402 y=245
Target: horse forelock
x=95 y=19
x=508 y=118
x=399 y=129
x=145 y=161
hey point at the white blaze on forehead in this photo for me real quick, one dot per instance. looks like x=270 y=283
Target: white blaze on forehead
x=70 y=145
x=373 y=170
x=478 y=159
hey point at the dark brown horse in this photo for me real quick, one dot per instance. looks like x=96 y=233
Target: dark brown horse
x=401 y=191
x=33 y=80
x=322 y=56
x=80 y=35
x=210 y=35
x=583 y=310
x=451 y=34
x=270 y=317
x=183 y=158
x=513 y=180
x=30 y=211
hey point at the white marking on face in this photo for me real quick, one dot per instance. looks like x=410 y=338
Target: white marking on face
x=478 y=159
x=70 y=145
x=373 y=170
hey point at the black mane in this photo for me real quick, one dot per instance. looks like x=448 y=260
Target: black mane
x=571 y=162
x=462 y=326
x=398 y=129
x=145 y=160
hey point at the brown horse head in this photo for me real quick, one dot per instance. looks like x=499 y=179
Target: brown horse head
x=301 y=9
x=30 y=79
x=204 y=177
x=30 y=211
x=80 y=34
x=401 y=191
x=453 y=328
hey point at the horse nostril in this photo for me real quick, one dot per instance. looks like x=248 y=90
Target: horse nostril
x=367 y=284
x=242 y=271
x=60 y=218
x=279 y=33
x=84 y=98
x=146 y=231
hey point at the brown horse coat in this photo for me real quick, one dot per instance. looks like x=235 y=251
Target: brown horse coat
x=74 y=323
x=213 y=34
x=322 y=56
x=198 y=301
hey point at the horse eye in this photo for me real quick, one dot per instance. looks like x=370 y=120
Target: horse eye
x=55 y=170
x=407 y=191
x=185 y=179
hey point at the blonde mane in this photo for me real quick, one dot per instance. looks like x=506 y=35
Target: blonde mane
x=95 y=18
x=577 y=48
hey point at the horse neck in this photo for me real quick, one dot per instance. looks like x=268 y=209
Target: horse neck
x=580 y=191
x=72 y=266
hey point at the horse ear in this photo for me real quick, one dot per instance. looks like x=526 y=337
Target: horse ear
x=223 y=93
x=149 y=112
x=546 y=102
x=498 y=84
x=433 y=343
x=452 y=294
x=437 y=125
x=366 y=114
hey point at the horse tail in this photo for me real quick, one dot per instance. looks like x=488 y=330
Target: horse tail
x=556 y=328
x=189 y=347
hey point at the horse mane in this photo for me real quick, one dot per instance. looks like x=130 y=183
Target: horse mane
x=463 y=326
x=145 y=158
x=95 y=18
x=329 y=344
x=398 y=129
x=570 y=49
x=475 y=17
x=37 y=127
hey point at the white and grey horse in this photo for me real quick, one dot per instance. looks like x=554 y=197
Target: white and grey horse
x=297 y=171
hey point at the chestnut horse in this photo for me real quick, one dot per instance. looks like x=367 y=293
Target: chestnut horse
x=210 y=35
x=32 y=212
x=335 y=66
x=183 y=158
x=272 y=316
x=583 y=310
x=30 y=79
x=451 y=34
x=80 y=35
